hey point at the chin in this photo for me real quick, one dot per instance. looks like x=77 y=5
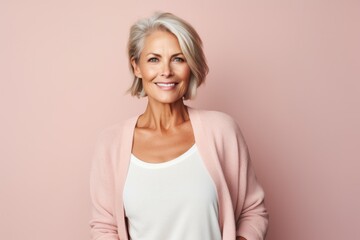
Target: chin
x=167 y=100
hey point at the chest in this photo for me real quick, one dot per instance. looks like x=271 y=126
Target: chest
x=176 y=197
x=184 y=179
x=158 y=147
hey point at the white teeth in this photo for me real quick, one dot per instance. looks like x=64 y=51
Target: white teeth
x=165 y=84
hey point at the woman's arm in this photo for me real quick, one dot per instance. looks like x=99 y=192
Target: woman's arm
x=103 y=224
x=250 y=213
x=252 y=221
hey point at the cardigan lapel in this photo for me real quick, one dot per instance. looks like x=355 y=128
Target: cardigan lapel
x=205 y=141
x=125 y=146
x=208 y=154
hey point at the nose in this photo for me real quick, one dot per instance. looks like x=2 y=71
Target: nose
x=166 y=70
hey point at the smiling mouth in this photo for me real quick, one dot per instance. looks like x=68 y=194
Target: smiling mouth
x=166 y=86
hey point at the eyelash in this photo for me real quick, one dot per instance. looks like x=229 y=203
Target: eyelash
x=179 y=59
x=176 y=59
x=152 y=59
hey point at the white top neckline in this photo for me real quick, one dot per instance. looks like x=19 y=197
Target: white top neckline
x=165 y=164
x=177 y=200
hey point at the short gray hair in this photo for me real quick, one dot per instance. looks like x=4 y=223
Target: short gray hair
x=189 y=41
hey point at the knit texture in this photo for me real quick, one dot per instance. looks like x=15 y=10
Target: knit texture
x=222 y=147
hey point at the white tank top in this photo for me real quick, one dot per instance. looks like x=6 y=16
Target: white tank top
x=174 y=200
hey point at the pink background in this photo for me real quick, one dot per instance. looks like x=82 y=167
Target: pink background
x=288 y=71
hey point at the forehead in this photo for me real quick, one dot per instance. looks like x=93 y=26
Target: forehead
x=161 y=41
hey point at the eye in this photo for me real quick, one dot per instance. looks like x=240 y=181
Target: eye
x=153 y=59
x=179 y=59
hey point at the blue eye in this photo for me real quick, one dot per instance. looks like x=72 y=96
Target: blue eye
x=152 y=59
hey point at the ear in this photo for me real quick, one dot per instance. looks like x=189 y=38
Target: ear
x=136 y=68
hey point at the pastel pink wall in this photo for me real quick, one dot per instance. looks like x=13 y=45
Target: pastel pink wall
x=288 y=71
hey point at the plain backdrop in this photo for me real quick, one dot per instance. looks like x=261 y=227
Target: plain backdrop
x=287 y=71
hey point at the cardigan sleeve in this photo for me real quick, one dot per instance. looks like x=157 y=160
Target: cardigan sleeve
x=103 y=222
x=251 y=214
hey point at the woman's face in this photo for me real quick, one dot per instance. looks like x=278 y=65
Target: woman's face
x=163 y=68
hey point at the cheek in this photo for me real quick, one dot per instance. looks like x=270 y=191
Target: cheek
x=187 y=74
x=149 y=73
x=184 y=72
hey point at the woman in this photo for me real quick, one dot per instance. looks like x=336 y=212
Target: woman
x=173 y=172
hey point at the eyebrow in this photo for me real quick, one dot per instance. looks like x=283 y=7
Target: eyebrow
x=159 y=55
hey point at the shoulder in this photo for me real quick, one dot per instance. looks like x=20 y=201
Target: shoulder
x=112 y=134
x=219 y=126
x=217 y=119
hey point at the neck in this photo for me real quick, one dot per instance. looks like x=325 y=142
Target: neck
x=161 y=116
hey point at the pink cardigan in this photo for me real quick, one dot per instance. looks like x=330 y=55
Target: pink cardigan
x=222 y=147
